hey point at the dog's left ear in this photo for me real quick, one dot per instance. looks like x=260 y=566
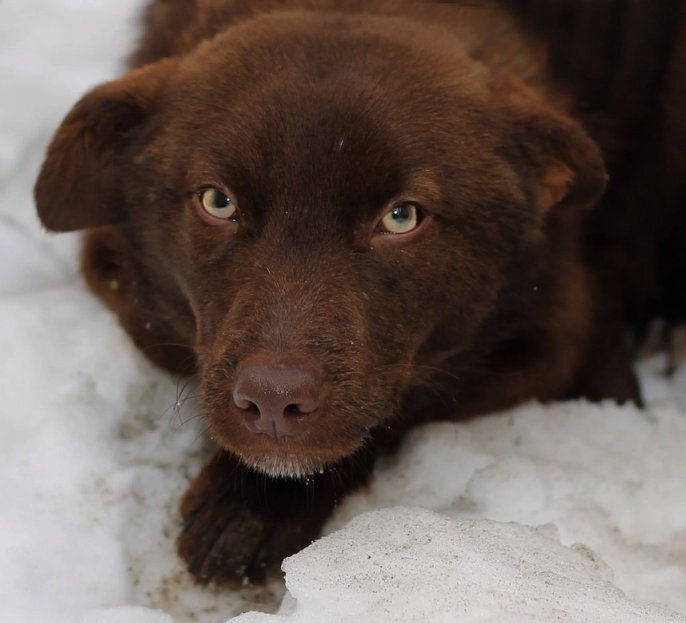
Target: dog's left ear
x=79 y=185
x=563 y=164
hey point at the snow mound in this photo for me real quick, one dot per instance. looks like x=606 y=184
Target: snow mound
x=598 y=472
x=408 y=565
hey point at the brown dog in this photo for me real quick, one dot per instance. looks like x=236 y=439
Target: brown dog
x=348 y=217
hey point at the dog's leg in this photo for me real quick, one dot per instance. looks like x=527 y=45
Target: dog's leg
x=238 y=522
x=607 y=371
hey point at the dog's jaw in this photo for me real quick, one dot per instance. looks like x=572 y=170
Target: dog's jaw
x=289 y=466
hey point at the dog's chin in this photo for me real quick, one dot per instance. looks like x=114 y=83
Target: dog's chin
x=288 y=457
x=289 y=466
x=293 y=462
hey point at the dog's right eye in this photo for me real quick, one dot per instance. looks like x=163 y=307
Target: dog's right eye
x=219 y=205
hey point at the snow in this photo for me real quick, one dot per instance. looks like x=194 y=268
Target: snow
x=611 y=478
x=566 y=512
x=431 y=568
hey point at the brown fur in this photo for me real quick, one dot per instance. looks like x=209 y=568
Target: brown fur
x=316 y=114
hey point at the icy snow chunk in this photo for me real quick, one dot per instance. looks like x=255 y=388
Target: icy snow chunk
x=409 y=564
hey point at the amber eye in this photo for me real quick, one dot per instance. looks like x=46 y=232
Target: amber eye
x=219 y=205
x=402 y=218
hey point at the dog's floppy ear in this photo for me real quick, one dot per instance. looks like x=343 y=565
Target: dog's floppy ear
x=564 y=164
x=79 y=183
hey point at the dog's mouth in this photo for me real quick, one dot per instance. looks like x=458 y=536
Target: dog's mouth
x=289 y=458
x=328 y=441
x=292 y=421
x=285 y=464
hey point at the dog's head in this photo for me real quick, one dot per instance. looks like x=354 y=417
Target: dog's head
x=328 y=201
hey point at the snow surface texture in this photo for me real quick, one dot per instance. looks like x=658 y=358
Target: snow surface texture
x=94 y=453
x=430 y=568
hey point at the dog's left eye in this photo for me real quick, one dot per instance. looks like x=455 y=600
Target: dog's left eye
x=219 y=205
x=402 y=218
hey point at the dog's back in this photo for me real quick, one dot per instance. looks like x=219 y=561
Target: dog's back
x=626 y=61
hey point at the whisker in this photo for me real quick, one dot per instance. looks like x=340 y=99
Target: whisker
x=159 y=344
x=453 y=373
x=204 y=431
x=181 y=400
x=197 y=416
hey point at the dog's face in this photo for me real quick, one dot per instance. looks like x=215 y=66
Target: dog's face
x=325 y=205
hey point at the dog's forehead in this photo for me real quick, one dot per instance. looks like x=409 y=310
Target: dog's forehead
x=303 y=144
x=282 y=141
x=294 y=69
x=295 y=119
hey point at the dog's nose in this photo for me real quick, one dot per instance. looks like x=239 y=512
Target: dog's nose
x=277 y=400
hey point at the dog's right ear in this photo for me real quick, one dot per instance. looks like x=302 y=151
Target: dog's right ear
x=79 y=183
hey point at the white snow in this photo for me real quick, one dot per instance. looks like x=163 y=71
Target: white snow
x=568 y=512
x=416 y=565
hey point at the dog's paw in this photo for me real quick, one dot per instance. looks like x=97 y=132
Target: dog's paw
x=223 y=537
x=237 y=523
x=676 y=345
x=664 y=336
x=224 y=541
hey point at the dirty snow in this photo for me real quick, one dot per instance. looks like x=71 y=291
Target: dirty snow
x=570 y=512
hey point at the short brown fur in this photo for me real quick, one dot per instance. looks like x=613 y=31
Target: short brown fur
x=316 y=116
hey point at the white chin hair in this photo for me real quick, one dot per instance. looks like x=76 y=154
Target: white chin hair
x=284 y=467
